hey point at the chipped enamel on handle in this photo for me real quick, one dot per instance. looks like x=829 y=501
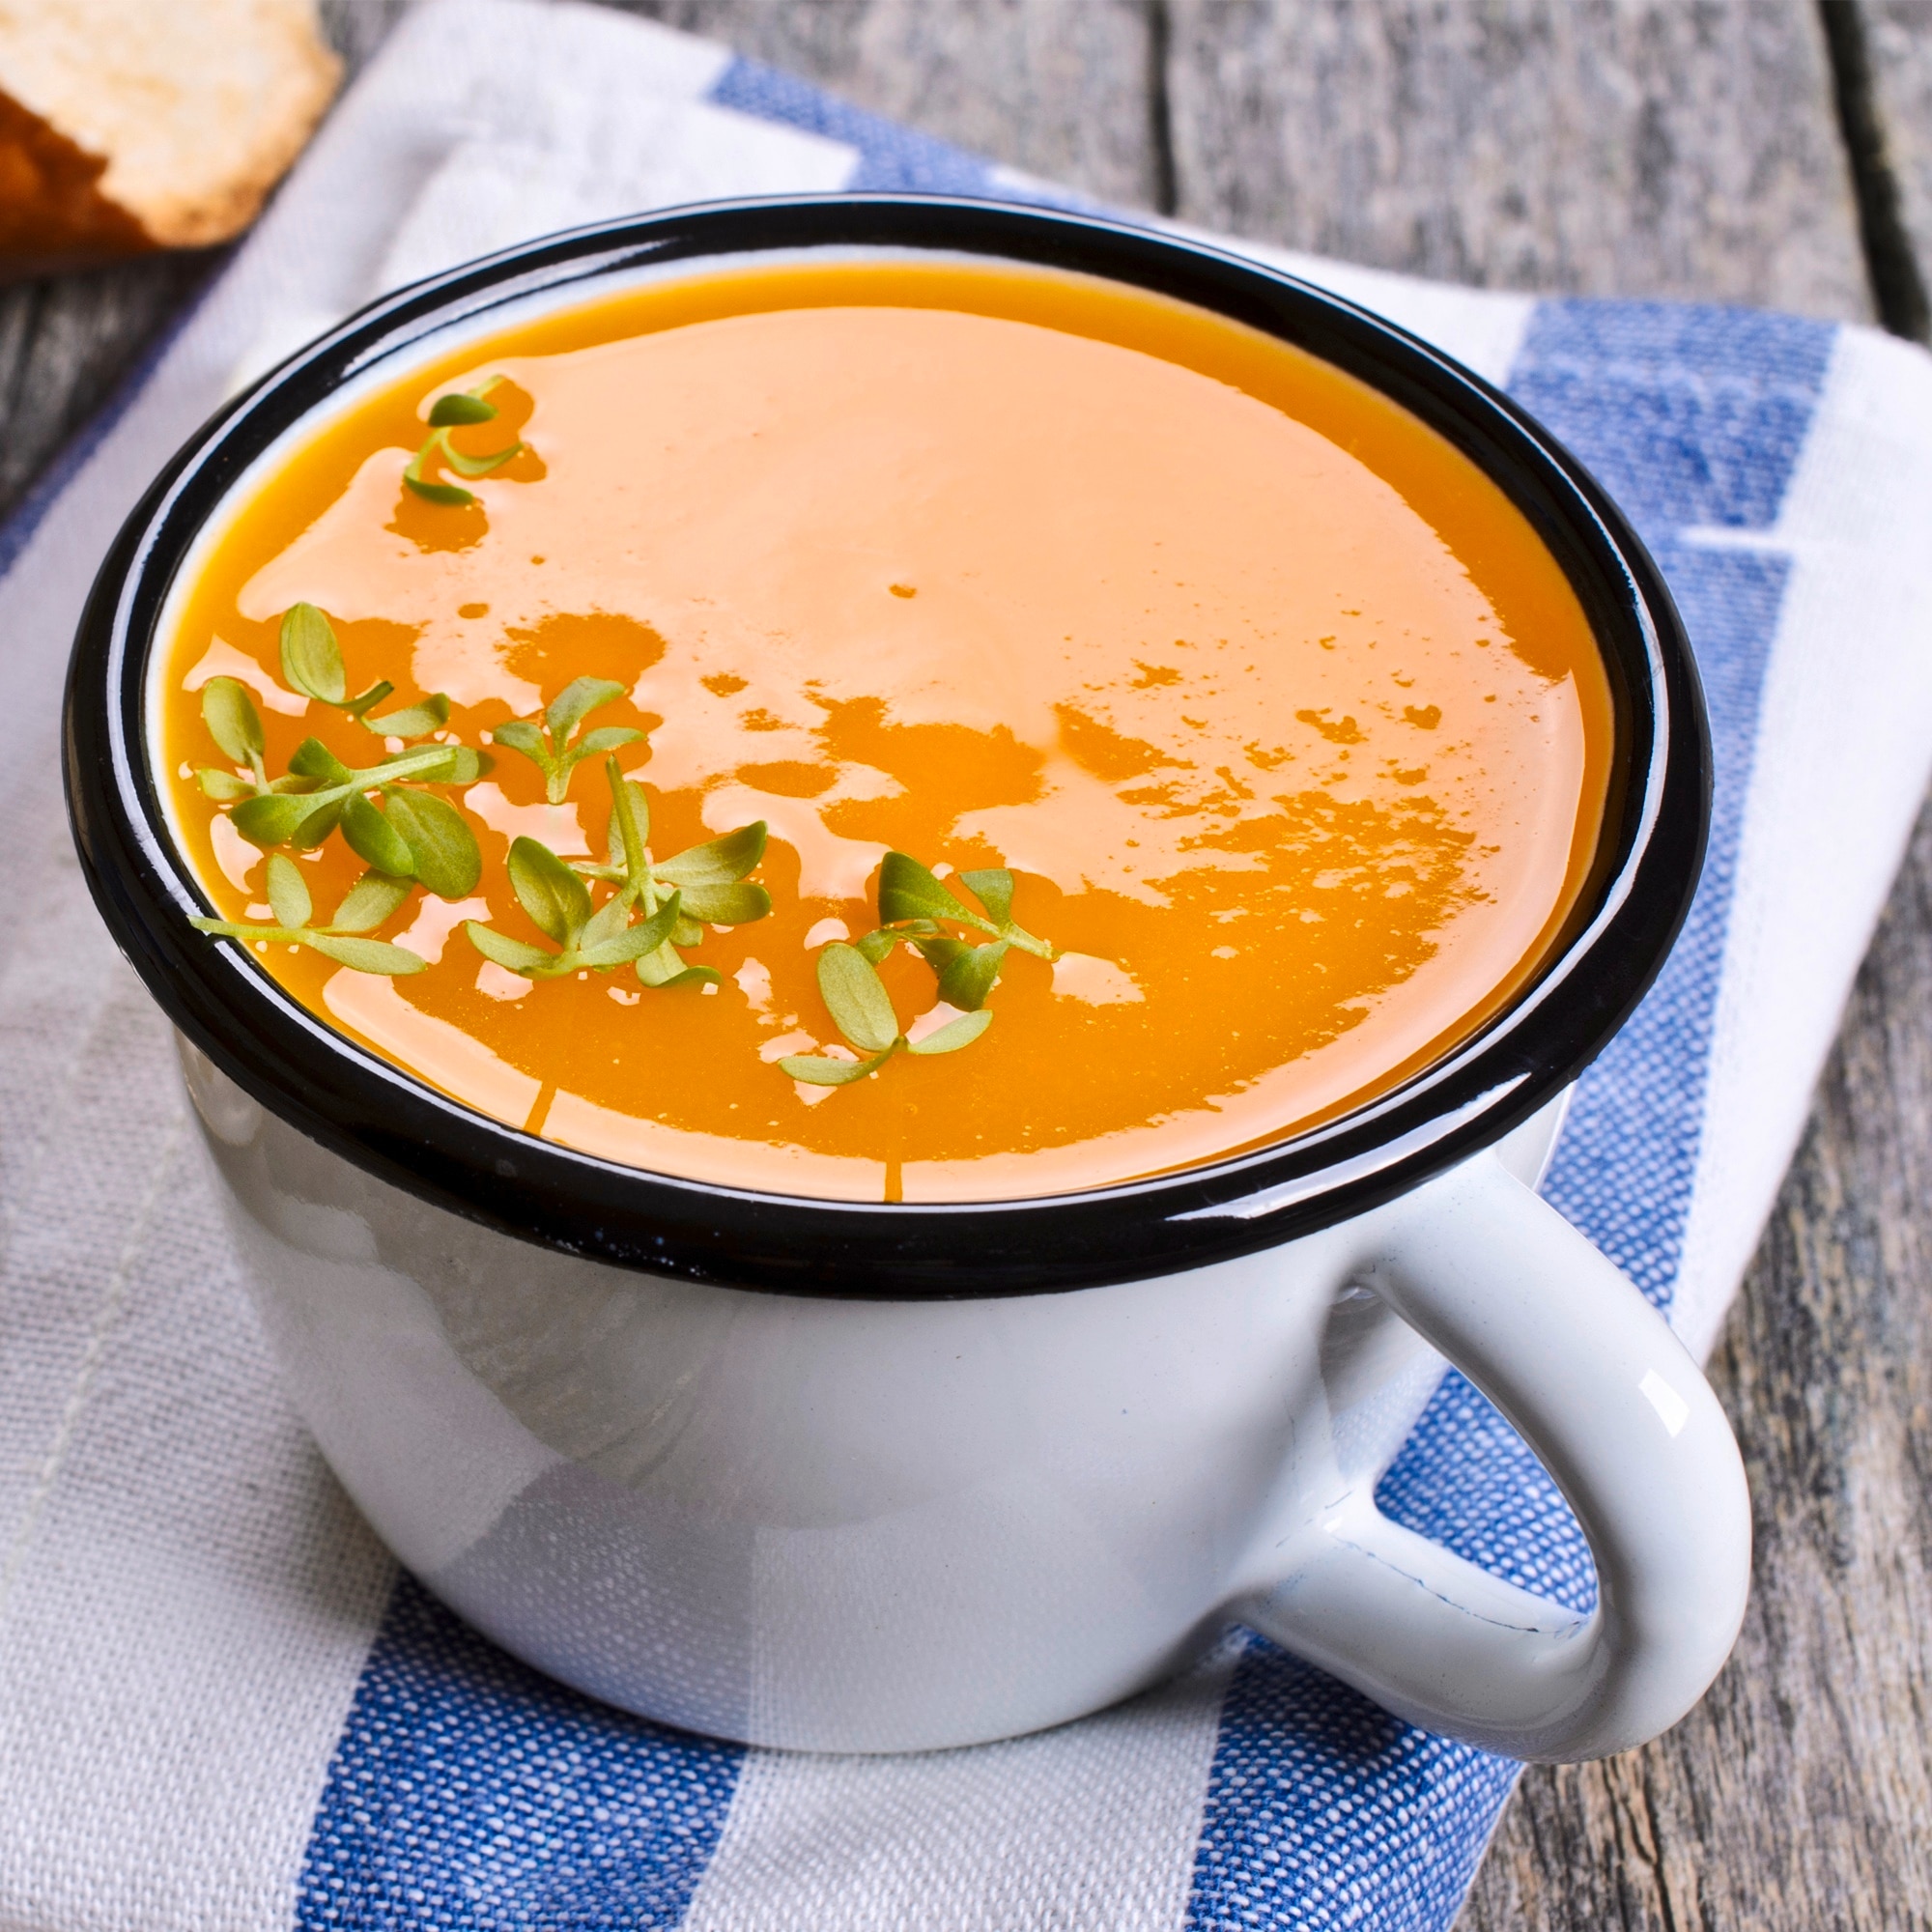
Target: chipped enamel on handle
x=1617 y=1411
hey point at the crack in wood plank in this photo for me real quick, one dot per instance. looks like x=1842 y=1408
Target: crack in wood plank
x=1896 y=40
x=1898 y=284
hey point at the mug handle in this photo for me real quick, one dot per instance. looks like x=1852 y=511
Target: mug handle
x=1614 y=1406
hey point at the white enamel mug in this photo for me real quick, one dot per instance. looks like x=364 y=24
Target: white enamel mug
x=870 y=1477
x=875 y=1525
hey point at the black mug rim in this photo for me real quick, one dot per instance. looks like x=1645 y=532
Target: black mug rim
x=393 y=1126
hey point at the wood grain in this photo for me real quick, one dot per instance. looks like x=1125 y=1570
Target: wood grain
x=1629 y=146
x=1673 y=147
x=66 y=341
x=1059 y=88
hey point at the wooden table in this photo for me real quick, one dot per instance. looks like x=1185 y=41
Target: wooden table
x=1776 y=152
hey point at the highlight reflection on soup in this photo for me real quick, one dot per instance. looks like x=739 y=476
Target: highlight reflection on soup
x=1250 y=716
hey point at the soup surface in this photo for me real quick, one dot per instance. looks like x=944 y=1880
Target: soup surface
x=1292 y=734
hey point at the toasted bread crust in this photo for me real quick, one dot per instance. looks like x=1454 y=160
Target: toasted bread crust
x=128 y=124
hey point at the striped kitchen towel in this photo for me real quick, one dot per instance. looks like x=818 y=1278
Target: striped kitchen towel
x=220 y=1706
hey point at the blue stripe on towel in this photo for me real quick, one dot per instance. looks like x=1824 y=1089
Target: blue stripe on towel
x=1692 y=418
x=1321 y=1810
x=892 y=159
x=470 y=1794
x=890 y=156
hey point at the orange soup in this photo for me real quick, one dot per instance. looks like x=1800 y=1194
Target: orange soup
x=1248 y=720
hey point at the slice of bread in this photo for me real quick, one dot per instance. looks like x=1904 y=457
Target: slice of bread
x=127 y=125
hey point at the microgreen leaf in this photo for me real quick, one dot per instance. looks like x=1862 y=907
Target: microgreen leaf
x=610 y=919
x=412 y=721
x=953 y=1035
x=366 y=955
x=313 y=759
x=548 y=890
x=370 y=835
x=513 y=953
x=550 y=748
x=458 y=406
x=559 y=901
x=449 y=495
x=912 y=905
x=907 y=890
x=627 y=943
x=476 y=466
x=231 y=717
x=288 y=897
x=994 y=889
x=312 y=662
x=418 y=834
x=664 y=970
x=737 y=904
x=815 y=1070
x=856 y=998
x=521 y=735
x=578 y=699
x=311 y=656
x=910 y=896
x=718 y=862
x=368 y=902
x=967 y=977
x=224 y=786
x=271 y=818
x=454 y=410
x=439 y=840
x=606 y=738
x=322 y=818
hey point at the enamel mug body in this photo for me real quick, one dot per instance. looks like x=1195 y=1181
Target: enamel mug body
x=866 y=1526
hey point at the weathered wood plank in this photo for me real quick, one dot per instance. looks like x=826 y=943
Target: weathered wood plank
x=1060 y=88
x=357 y=28
x=1628 y=147
x=1894 y=43
x=64 y=344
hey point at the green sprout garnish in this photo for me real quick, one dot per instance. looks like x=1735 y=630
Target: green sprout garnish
x=312 y=664
x=447 y=413
x=235 y=725
x=862 y=1009
x=549 y=747
x=415 y=835
x=704 y=883
x=913 y=904
x=559 y=903
x=710 y=877
x=370 y=900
